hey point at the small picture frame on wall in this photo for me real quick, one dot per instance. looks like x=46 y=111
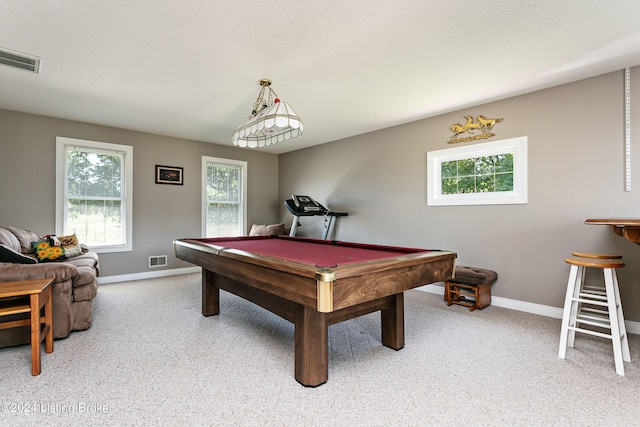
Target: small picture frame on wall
x=169 y=175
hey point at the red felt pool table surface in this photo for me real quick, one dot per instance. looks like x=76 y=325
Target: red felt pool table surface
x=318 y=253
x=315 y=283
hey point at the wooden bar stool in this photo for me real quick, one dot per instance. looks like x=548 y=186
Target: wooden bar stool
x=596 y=255
x=595 y=308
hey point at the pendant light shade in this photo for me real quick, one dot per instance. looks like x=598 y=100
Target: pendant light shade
x=271 y=121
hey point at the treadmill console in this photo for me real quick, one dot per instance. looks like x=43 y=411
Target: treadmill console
x=307 y=204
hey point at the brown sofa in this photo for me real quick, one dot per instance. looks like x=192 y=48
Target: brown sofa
x=75 y=282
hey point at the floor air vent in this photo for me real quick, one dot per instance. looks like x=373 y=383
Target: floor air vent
x=19 y=60
x=157 y=261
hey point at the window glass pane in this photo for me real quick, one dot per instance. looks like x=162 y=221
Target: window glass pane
x=484 y=165
x=94 y=174
x=223 y=184
x=224 y=213
x=466 y=167
x=485 y=184
x=96 y=222
x=504 y=163
x=449 y=169
x=95 y=204
x=467 y=185
x=504 y=182
x=478 y=175
x=223 y=220
x=450 y=186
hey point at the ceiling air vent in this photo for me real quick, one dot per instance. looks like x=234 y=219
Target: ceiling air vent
x=19 y=60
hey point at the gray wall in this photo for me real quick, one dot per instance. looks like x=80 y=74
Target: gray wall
x=575 y=171
x=161 y=213
x=575 y=138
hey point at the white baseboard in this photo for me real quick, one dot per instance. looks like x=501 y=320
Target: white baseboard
x=528 y=307
x=148 y=275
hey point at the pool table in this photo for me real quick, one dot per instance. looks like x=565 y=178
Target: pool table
x=315 y=283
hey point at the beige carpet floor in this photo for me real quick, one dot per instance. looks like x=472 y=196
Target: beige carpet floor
x=151 y=358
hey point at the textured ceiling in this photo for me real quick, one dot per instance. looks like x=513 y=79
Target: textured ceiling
x=190 y=68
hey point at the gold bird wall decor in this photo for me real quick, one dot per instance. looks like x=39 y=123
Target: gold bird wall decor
x=480 y=124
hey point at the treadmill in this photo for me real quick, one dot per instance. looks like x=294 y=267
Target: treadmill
x=300 y=205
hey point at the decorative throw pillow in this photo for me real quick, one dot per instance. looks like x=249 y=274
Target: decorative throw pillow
x=266 y=230
x=70 y=245
x=45 y=251
x=25 y=237
x=9 y=255
x=56 y=248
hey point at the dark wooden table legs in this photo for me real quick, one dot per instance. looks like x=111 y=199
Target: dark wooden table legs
x=210 y=294
x=311 y=333
x=393 y=323
x=311 y=347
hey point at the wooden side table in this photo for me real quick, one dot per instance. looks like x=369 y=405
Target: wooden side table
x=29 y=296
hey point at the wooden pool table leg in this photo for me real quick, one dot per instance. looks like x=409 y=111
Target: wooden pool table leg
x=393 y=323
x=210 y=294
x=311 y=338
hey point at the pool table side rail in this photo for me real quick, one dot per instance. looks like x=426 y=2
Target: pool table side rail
x=298 y=285
x=356 y=289
x=298 y=268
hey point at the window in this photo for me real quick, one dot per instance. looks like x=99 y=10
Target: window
x=224 y=197
x=484 y=174
x=481 y=174
x=94 y=182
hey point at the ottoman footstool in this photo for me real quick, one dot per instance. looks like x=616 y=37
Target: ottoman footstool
x=470 y=282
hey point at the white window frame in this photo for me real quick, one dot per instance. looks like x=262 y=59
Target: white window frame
x=435 y=159
x=61 y=188
x=243 y=192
